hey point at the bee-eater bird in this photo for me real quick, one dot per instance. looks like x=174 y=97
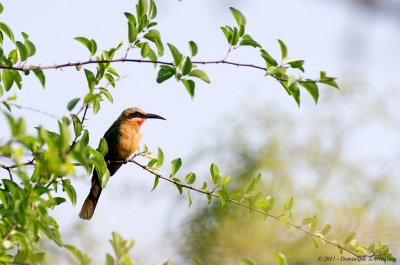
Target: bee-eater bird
x=122 y=139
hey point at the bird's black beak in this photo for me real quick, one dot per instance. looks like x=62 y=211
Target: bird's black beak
x=153 y=116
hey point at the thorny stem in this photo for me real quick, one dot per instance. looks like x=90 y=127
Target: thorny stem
x=213 y=194
x=121 y=60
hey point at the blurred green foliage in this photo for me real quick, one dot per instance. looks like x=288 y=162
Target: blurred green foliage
x=311 y=158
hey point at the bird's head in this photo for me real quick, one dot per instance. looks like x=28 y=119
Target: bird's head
x=136 y=116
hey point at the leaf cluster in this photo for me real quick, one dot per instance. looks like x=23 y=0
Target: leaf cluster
x=236 y=37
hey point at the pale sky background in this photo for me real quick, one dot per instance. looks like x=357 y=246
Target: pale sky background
x=341 y=37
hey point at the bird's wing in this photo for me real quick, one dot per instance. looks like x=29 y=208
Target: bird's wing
x=112 y=137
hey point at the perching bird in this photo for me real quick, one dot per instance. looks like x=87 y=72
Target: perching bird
x=122 y=139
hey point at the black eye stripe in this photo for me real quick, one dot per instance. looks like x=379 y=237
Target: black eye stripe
x=136 y=114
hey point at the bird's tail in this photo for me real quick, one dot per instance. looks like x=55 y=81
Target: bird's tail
x=90 y=203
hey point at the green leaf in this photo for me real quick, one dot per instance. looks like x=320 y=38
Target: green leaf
x=160 y=48
x=298 y=64
x=190 y=86
x=277 y=71
x=234 y=37
x=280 y=258
x=215 y=174
x=160 y=157
x=312 y=88
x=1 y=8
x=112 y=71
x=193 y=48
x=165 y=73
x=349 y=237
x=145 y=49
x=6 y=30
x=247 y=40
x=190 y=178
x=326 y=229
x=187 y=66
x=235 y=195
x=110 y=79
x=156 y=180
x=17 y=78
x=190 y=198
x=247 y=261
x=103 y=147
x=131 y=18
x=100 y=165
x=8 y=79
x=109 y=260
x=96 y=103
x=175 y=166
x=289 y=204
x=30 y=47
x=40 y=76
x=85 y=138
x=132 y=32
x=70 y=190
x=93 y=47
x=86 y=42
x=268 y=58
x=72 y=103
x=310 y=221
x=13 y=57
x=253 y=184
x=324 y=79
x=142 y=8
x=224 y=198
x=227 y=33
x=178 y=185
x=175 y=54
x=266 y=204
x=153 y=35
x=294 y=89
x=315 y=241
x=23 y=52
x=152 y=10
x=283 y=49
x=77 y=125
x=152 y=162
x=91 y=79
x=83 y=258
x=107 y=94
x=200 y=74
x=197 y=261
x=239 y=17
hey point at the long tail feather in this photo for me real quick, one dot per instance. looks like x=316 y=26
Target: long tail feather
x=90 y=203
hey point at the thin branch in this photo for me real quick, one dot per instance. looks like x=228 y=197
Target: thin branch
x=32 y=109
x=122 y=60
x=244 y=206
x=8 y=234
x=28 y=163
x=10 y=174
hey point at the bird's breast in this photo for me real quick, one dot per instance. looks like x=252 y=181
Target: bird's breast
x=128 y=142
